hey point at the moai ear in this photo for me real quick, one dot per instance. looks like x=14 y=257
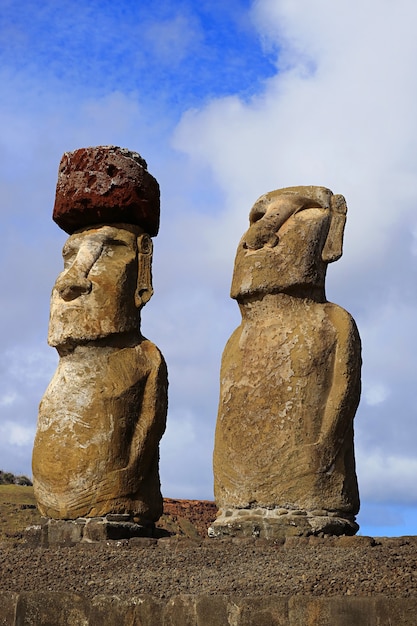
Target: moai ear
x=333 y=248
x=144 y=289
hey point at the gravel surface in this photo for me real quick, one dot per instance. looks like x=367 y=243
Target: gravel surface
x=357 y=566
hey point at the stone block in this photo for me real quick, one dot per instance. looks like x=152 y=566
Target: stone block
x=131 y=611
x=101 y=529
x=356 y=541
x=51 y=609
x=211 y=610
x=143 y=542
x=111 y=611
x=352 y=611
x=269 y=611
x=395 y=611
x=8 y=603
x=64 y=532
x=180 y=611
x=33 y=535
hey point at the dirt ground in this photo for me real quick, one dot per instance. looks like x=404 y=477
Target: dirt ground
x=186 y=562
x=355 y=566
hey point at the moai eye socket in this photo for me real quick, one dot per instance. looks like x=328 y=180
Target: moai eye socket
x=69 y=254
x=256 y=215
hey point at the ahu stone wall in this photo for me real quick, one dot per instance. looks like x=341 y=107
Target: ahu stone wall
x=67 y=609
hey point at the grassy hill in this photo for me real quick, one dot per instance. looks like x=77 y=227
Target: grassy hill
x=17 y=510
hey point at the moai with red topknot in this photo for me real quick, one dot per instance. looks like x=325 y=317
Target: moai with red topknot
x=96 y=451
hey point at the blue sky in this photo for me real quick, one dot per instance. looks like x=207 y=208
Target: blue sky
x=225 y=101
x=183 y=52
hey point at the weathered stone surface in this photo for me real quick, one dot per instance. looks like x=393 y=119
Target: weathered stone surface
x=290 y=376
x=132 y=611
x=106 y=279
x=47 y=609
x=99 y=425
x=105 y=185
x=180 y=611
x=345 y=611
x=268 y=611
x=65 y=532
x=42 y=609
x=62 y=532
x=112 y=611
x=8 y=602
x=212 y=610
x=35 y=609
x=103 y=414
x=273 y=524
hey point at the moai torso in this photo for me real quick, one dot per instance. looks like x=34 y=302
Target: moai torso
x=290 y=376
x=96 y=449
x=99 y=425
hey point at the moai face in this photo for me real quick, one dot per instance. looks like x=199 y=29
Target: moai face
x=106 y=279
x=293 y=234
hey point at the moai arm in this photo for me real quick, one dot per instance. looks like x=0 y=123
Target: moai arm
x=345 y=386
x=151 y=424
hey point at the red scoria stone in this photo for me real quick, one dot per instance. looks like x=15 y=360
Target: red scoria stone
x=105 y=185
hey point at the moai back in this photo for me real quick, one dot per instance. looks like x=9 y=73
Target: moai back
x=290 y=377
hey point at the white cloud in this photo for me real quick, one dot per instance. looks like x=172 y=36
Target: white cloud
x=347 y=125
x=185 y=466
x=387 y=478
x=171 y=40
x=8 y=398
x=375 y=393
x=414 y=242
x=16 y=434
x=28 y=365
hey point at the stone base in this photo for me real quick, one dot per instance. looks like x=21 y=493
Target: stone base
x=83 y=529
x=280 y=523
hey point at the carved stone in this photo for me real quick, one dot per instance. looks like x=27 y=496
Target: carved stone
x=290 y=377
x=103 y=414
x=103 y=185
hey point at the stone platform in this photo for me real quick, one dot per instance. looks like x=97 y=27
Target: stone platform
x=69 y=532
x=279 y=523
x=67 y=609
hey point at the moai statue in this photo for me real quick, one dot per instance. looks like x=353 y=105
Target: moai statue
x=290 y=378
x=100 y=421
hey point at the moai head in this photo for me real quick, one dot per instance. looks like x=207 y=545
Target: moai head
x=293 y=234
x=109 y=204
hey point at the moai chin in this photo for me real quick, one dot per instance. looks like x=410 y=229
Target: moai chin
x=96 y=450
x=290 y=377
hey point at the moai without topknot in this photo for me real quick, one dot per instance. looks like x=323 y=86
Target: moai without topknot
x=96 y=450
x=290 y=377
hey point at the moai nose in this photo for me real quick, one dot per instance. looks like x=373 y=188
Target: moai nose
x=72 y=285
